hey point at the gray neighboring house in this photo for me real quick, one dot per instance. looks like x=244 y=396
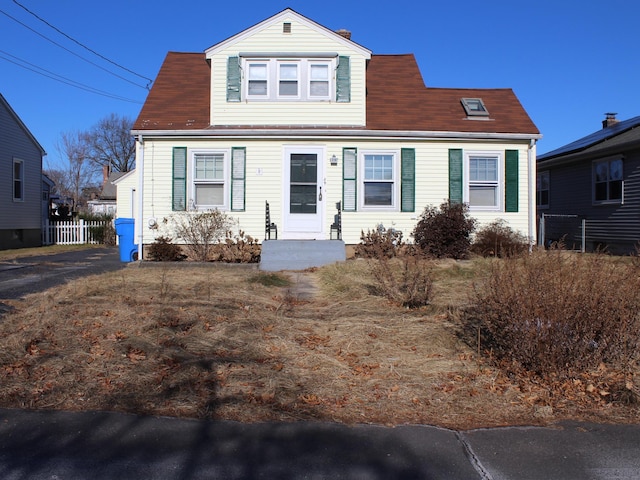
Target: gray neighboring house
x=21 y=183
x=593 y=182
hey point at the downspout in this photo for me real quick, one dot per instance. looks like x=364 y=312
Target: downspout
x=140 y=213
x=531 y=159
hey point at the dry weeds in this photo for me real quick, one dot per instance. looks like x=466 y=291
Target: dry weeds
x=212 y=342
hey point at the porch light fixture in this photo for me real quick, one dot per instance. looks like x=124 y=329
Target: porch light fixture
x=333 y=160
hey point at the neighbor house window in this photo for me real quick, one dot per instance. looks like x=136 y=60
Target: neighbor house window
x=379 y=180
x=542 y=189
x=18 y=180
x=608 y=185
x=484 y=179
x=209 y=180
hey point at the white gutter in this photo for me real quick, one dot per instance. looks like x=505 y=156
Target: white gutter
x=531 y=159
x=256 y=133
x=140 y=213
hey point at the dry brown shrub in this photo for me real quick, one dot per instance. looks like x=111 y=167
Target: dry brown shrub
x=406 y=281
x=560 y=313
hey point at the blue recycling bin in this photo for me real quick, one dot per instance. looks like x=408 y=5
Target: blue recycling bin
x=125 y=229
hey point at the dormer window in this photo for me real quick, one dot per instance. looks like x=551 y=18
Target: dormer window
x=292 y=79
x=285 y=77
x=474 y=107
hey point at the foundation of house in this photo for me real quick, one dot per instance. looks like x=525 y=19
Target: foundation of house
x=279 y=255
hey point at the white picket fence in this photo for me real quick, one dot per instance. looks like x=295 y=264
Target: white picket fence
x=73 y=232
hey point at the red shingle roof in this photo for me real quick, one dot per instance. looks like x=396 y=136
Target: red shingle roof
x=397 y=99
x=179 y=98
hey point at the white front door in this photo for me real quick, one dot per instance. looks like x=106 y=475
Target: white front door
x=303 y=193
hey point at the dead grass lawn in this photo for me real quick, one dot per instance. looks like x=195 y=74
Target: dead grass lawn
x=215 y=342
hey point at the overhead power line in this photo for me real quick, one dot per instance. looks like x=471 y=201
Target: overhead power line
x=81 y=44
x=71 y=52
x=54 y=76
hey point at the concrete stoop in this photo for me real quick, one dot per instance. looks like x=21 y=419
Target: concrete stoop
x=279 y=255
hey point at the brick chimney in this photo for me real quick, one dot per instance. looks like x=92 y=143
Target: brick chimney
x=610 y=119
x=105 y=174
x=344 y=33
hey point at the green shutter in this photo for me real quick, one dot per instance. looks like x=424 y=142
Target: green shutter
x=349 y=179
x=343 y=80
x=238 y=176
x=179 y=196
x=233 y=79
x=455 y=175
x=511 y=181
x=408 y=180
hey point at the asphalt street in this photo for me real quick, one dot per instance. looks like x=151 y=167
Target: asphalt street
x=98 y=445
x=35 y=274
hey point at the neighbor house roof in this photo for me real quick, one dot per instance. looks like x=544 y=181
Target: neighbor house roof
x=614 y=137
x=397 y=100
x=12 y=112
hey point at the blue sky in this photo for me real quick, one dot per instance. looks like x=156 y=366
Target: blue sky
x=568 y=61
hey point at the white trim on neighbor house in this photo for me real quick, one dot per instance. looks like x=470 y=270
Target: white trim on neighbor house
x=17 y=185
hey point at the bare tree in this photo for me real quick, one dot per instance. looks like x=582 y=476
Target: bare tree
x=79 y=173
x=111 y=144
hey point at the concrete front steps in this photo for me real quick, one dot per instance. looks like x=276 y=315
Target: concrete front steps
x=279 y=255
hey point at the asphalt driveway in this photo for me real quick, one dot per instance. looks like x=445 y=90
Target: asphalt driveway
x=27 y=275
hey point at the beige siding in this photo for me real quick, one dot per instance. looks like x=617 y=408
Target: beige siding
x=303 y=39
x=264 y=165
x=126 y=189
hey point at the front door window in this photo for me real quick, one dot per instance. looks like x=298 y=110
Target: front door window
x=303 y=183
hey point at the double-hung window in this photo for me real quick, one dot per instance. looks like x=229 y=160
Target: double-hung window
x=209 y=180
x=379 y=180
x=258 y=80
x=18 y=180
x=484 y=181
x=319 y=80
x=288 y=80
x=608 y=181
x=542 y=189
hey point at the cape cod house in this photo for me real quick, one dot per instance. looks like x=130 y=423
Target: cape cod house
x=21 y=182
x=588 y=192
x=296 y=115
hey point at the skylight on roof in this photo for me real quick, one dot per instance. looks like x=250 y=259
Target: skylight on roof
x=474 y=107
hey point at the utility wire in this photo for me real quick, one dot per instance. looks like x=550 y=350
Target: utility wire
x=71 y=52
x=82 y=45
x=54 y=76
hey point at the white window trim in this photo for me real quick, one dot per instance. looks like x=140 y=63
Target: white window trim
x=395 y=191
x=298 y=83
x=226 y=179
x=273 y=79
x=245 y=88
x=466 y=179
x=330 y=79
x=13 y=180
